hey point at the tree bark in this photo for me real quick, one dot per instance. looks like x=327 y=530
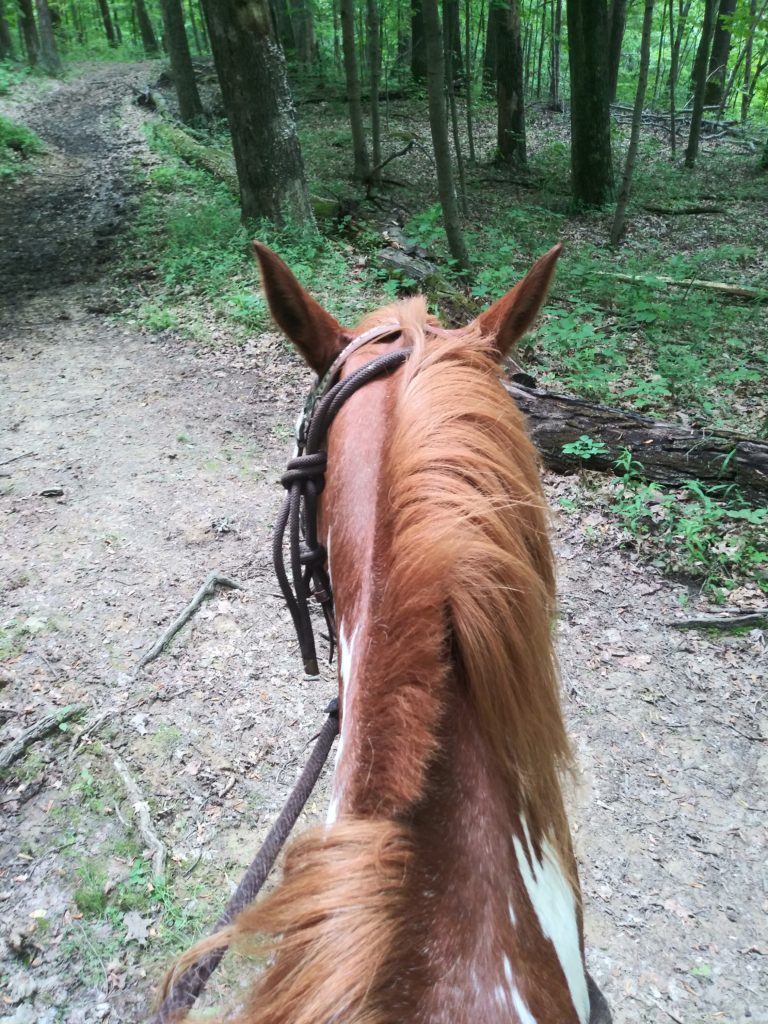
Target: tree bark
x=359 y=146
x=591 y=165
x=718 y=58
x=469 y=68
x=50 y=55
x=510 y=103
x=491 y=52
x=304 y=33
x=626 y=181
x=147 y=32
x=190 y=107
x=6 y=40
x=618 y=20
x=700 y=81
x=251 y=69
x=672 y=83
x=106 y=20
x=418 y=43
x=439 y=127
x=29 y=31
x=667 y=452
x=452 y=43
x=555 y=102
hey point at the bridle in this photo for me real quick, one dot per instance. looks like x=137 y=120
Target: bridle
x=304 y=480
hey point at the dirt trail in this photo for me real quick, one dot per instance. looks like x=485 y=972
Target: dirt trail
x=168 y=457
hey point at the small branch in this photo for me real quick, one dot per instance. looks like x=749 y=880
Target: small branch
x=654 y=280
x=47 y=724
x=671 y=212
x=206 y=590
x=16 y=458
x=141 y=810
x=732 y=620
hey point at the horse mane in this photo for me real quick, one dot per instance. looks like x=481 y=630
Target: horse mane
x=468 y=595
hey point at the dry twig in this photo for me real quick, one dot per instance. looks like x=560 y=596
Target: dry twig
x=141 y=810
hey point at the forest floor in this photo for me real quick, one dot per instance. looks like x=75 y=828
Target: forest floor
x=134 y=464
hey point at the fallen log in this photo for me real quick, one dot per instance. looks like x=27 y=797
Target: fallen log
x=38 y=731
x=664 y=452
x=741 y=291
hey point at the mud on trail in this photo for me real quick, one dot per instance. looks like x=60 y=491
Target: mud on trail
x=167 y=457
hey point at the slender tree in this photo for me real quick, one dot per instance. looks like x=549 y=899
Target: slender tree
x=251 y=70
x=439 y=128
x=491 y=52
x=672 y=83
x=555 y=102
x=374 y=70
x=700 y=81
x=617 y=23
x=6 y=40
x=147 y=32
x=591 y=165
x=49 y=53
x=106 y=20
x=510 y=102
x=626 y=181
x=718 y=57
x=452 y=43
x=29 y=30
x=418 y=43
x=190 y=107
x=359 y=147
x=469 y=64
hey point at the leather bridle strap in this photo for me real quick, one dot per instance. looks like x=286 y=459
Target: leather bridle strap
x=304 y=480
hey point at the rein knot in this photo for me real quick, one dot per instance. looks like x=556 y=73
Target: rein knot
x=303 y=468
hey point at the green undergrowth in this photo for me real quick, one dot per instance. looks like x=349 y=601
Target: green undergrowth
x=17 y=145
x=191 y=252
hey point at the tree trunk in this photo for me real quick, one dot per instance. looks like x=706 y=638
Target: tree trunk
x=672 y=83
x=591 y=166
x=666 y=452
x=29 y=31
x=718 y=58
x=439 y=127
x=634 y=138
x=359 y=147
x=554 y=65
x=418 y=43
x=660 y=51
x=284 y=25
x=116 y=23
x=195 y=31
x=190 y=107
x=50 y=55
x=617 y=21
x=148 y=37
x=491 y=52
x=374 y=69
x=6 y=40
x=469 y=66
x=748 y=61
x=251 y=69
x=700 y=81
x=106 y=20
x=304 y=33
x=452 y=43
x=509 y=86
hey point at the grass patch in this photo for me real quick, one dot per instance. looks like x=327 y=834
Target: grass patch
x=17 y=145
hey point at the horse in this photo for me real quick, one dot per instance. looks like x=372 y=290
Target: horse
x=443 y=887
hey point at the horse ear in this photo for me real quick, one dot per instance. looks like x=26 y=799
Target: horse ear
x=316 y=334
x=513 y=314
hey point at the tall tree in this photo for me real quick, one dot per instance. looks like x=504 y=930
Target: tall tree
x=439 y=127
x=509 y=86
x=6 y=40
x=418 y=43
x=700 y=81
x=359 y=147
x=718 y=58
x=452 y=42
x=29 y=30
x=49 y=52
x=190 y=107
x=147 y=32
x=374 y=71
x=626 y=181
x=555 y=102
x=254 y=84
x=617 y=21
x=106 y=20
x=491 y=52
x=591 y=165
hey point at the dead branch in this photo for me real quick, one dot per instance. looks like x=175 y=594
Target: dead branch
x=680 y=210
x=652 y=281
x=181 y=620
x=25 y=455
x=141 y=810
x=393 y=156
x=45 y=725
x=729 y=620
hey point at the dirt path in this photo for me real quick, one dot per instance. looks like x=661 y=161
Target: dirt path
x=168 y=458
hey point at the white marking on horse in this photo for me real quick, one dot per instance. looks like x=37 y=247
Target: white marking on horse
x=345 y=667
x=552 y=899
x=512 y=914
x=521 y=1009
